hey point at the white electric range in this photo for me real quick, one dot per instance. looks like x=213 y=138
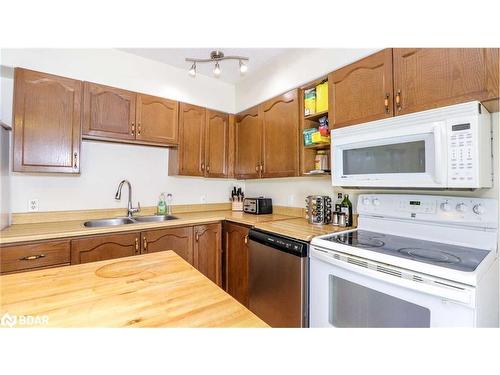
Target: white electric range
x=413 y=261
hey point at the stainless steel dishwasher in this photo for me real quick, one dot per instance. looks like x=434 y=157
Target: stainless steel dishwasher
x=278 y=279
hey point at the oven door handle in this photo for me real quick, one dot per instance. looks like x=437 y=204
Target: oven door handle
x=444 y=292
x=438 y=154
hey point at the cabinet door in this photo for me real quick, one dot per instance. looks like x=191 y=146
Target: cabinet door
x=93 y=249
x=426 y=78
x=248 y=147
x=236 y=261
x=191 y=140
x=207 y=251
x=216 y=144
x=362 y=91
x=108 y=112
x=47 y=123
x=157 y=120
x=179 y=240
x=280 y=136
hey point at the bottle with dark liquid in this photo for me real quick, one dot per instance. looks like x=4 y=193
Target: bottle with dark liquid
x=346 y=208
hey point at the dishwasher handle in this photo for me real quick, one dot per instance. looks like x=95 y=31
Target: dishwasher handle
x=285 y=244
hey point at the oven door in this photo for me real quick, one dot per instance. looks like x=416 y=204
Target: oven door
x=347 y=295
x=400 y=157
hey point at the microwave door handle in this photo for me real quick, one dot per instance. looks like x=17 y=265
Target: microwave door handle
x=438 y=154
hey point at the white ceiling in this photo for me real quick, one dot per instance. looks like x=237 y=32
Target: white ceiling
x=259 y=57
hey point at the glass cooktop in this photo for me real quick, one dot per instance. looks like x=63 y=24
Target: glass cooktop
x=439 y=254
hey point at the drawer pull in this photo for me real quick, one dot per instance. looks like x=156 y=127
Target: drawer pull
x=33 y=257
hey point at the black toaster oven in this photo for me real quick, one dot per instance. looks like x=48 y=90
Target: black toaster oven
x=258 y=206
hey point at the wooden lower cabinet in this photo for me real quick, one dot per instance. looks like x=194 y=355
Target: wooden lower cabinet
x=94 y=249
x=179 y=240
x=236 y=261
x=34 y=256
x=207 y=251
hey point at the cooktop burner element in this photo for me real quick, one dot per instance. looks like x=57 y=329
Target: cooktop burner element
x=431 y=255
x=440 y=254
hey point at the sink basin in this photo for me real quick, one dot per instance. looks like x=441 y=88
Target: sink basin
x=108 y=222
x=153 y=218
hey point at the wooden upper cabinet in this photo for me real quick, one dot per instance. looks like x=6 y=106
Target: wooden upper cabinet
x=157 y=120
x=179 y=240
x=108 y=112
x=98 y=248
x=47 y=123
x=362 y=91
x=191 y=153
x=248 y=144
x=236 y=261
x=207 y=251
x=216 y=144
x=426 y=78
x=280 y=136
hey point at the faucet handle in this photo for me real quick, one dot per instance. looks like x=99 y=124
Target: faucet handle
x=138 y=206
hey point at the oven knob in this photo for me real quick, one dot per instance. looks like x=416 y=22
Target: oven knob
x=461 y=207
x=366 y=201
x=376 y=202
x=478 y=209
x=446 y=207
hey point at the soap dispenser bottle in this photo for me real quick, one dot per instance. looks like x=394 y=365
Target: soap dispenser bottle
x=162 y=205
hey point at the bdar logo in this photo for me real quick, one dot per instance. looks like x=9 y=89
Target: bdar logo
x=8 y=320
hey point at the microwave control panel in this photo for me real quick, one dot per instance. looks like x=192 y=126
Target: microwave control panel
x=461 y=154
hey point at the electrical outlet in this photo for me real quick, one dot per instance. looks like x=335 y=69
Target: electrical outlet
x=33 y=205
x=291 y=200
x=203 y=199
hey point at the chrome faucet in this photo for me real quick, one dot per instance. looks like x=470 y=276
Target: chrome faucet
x=118 y=195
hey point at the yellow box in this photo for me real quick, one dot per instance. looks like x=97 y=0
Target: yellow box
x=318 y=138
x=322 y=97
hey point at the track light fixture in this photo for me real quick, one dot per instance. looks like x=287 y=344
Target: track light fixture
x=216 y=56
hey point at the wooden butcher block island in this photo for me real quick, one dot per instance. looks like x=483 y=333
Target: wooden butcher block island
x=151 y=290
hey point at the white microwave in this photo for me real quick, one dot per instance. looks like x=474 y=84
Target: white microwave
x=444 y=148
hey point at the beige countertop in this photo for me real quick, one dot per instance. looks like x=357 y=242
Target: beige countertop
x=74 y=228
x=298 y=228
x=150 y=290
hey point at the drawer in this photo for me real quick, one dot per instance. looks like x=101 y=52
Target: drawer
x=26 y=257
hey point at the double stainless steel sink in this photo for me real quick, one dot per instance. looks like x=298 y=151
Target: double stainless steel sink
x=127 y=220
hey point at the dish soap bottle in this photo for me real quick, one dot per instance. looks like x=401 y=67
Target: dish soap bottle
x=346 y=208
x=162 y=205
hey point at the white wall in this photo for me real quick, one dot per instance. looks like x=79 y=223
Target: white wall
x=103 y=165
x=293 y=69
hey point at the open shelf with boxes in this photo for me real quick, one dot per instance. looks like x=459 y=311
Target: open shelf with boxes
x=314 y=132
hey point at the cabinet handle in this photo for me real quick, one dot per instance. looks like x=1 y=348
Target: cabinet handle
x=203 y=166
x=246 y=239
x=398 y=100
x=208 y=168
x=136 y=245
x=133 y=129
x=75 y=160
x=257 y=168
x=145 y=245
x=386 y=103
x=139 y=129
x=33 y=257
x=197 y=236
x=261 y=167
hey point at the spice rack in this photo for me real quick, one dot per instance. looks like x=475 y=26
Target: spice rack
x=308 y=153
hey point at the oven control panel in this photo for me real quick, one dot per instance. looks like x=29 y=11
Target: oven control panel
x=461 y=154
x=443 y=209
